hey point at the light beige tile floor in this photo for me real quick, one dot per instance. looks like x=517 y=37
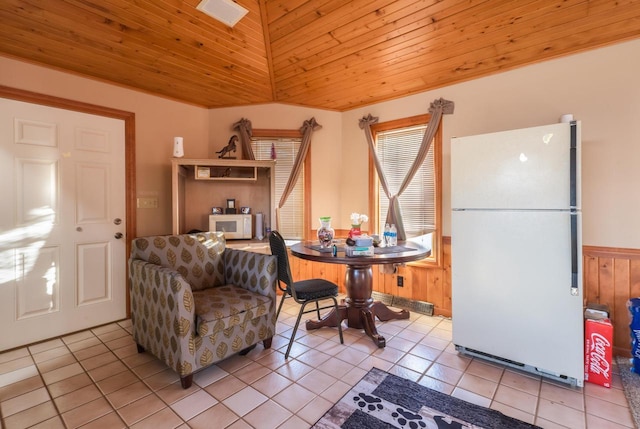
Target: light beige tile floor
x=96 y=379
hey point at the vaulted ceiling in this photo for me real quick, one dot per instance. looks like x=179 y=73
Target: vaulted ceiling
x=330 y=54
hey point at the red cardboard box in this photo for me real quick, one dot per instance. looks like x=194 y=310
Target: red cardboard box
x=598 y=351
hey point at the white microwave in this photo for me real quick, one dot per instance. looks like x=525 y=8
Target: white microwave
x=234 y=226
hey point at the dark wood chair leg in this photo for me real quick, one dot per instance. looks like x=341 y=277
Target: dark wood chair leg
x=267 y=343
x=140 y=348
x=186 y=381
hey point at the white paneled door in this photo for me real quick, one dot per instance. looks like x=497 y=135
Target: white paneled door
x=62 y=222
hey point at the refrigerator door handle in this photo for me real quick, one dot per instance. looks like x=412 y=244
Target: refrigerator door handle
x=574 y=253
x=573 y=180
x=573 y=163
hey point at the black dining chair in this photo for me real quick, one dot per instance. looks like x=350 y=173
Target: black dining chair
x=304 y=291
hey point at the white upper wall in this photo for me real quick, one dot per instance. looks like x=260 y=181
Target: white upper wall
x=601 y=88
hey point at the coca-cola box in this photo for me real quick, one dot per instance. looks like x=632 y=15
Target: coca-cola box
x=598 y=351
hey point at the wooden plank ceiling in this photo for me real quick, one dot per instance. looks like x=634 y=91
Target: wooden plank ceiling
x=330 y=54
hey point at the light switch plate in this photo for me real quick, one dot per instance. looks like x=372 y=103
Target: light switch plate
x=148 y=203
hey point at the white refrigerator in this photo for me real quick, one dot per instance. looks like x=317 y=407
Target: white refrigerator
x=517 y=249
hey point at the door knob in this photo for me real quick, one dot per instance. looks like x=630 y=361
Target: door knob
x=117 y=221
x=118 y=235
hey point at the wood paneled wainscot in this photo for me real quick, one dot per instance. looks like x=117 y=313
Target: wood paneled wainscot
x=611 y=277
x=422 y=284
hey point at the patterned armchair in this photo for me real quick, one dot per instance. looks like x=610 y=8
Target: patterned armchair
x=195 y=302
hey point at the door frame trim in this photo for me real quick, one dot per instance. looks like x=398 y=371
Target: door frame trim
x=129 y=151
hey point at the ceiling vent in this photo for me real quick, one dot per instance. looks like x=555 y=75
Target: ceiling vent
x=225 y=11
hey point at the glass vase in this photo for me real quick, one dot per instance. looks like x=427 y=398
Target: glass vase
x=325 y=232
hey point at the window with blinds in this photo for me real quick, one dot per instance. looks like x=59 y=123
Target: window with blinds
x=285 y=151
x=396 y=151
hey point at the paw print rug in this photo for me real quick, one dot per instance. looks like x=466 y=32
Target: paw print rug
x=383 y=400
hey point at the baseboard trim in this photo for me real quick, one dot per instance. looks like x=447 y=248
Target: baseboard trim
x=421 y=307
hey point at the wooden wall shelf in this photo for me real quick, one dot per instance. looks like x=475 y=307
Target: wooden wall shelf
x=197 y=185
x=208 y=172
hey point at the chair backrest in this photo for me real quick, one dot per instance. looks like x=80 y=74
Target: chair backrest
x=198 y=257
x=279 y=249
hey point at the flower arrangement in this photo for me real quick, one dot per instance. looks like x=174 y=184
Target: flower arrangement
x=358 y=219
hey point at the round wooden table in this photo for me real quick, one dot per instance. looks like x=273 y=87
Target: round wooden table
x=358 y=308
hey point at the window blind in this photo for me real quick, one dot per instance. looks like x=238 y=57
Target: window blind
x=291 y=214
x=396 y=151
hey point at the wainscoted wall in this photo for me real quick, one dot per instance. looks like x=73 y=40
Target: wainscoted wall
x=611 y=276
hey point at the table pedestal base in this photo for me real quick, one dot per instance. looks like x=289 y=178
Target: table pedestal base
x=359 y=309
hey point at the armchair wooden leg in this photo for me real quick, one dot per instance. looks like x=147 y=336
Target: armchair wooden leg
x=267 y=342
x=140 y=348
x=247 y=350
x=186 y=381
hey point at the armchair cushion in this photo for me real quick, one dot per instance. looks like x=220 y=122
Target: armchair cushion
x=198 y=258
x=223 y=307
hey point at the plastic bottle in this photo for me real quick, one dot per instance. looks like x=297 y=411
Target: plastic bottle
x=393 y=235
x=386 y=236
x=634 y=309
